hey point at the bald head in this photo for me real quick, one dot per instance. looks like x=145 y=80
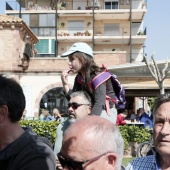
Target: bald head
x=94 y=135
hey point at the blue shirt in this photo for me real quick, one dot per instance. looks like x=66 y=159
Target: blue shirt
x=49 y=118
x=146 y=119
x=144 y=163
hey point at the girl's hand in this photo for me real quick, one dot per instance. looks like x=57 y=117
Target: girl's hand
x=64 y=77
x=58 y=165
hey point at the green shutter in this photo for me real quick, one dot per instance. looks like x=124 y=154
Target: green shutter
x=42 y=46
x=53 y=47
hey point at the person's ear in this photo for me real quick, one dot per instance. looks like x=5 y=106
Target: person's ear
x=112 y=159
x=3 y=113
x=89 y=109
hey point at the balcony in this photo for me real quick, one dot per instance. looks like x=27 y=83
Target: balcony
x=102 y=10
x=102 y=35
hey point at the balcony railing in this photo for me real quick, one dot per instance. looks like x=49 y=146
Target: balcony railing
x=85 y=31
x=75 y=5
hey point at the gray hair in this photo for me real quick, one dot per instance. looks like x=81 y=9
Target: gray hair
x=82 y=94
x=163 y=98
x=105 y=137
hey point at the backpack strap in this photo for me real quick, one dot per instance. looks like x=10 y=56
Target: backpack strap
x=79 y=79
x=100 y=78
x=107 y=104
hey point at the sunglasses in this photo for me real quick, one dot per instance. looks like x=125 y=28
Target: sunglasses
x=75 y=105
x=76 y=165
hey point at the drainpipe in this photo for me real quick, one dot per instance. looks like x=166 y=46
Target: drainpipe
x=56 y=29
x=130 y=31
x=93 y=27
x=20 y=9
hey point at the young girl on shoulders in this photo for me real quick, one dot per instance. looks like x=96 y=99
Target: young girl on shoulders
x=81 y=62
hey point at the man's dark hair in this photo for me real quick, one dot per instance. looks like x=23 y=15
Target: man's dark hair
x=11 y=95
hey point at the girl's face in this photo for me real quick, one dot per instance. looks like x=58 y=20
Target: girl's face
x=74 y=63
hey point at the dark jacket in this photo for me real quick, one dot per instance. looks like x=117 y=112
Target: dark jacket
x=98 y=95
x=28 y=152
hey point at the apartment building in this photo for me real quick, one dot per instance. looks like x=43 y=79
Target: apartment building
x=113 y=28
x=106 y=25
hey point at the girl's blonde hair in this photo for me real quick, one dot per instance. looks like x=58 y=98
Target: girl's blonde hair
x=56 y=111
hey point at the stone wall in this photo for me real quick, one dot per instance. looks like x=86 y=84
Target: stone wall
x=10 y=43
x=60 y=64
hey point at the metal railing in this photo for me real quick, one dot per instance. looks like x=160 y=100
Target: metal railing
x=74 y=5
x=84 y=31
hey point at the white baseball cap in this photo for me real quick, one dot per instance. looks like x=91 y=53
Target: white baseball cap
x=79 y=47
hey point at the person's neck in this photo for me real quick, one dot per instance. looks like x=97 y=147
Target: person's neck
x=164 y=162
x=9 y=134
x=82 y=74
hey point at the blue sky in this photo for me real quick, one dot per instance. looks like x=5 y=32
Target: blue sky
x=158 y=26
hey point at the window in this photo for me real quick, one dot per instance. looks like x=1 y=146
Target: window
x=111 y=4
x=45 y=46
x=75 y=26
x=51 y=19
x=35 y=31
x=41 y=24
x=34 y=20
x=136 y=27
x=26 y=18
x=46 y=20
x=77 y=4
x=42 y=20
x=30 y=4
x=111 y=29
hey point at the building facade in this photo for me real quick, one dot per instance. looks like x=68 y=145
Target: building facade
x=106 y=25
x=113 y=28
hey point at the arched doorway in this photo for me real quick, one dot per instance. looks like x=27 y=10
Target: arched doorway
x=54 y=98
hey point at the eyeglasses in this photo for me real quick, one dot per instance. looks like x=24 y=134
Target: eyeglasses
x=71 y=164
x=75 y=105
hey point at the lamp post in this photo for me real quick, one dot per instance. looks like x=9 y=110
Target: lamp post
x=143 y=46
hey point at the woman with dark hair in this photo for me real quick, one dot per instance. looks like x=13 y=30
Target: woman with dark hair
x=81 y=62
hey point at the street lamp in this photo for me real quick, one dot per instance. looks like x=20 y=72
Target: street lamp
x=143 y=46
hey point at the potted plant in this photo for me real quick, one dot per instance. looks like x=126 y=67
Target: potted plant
x=63 y=4
x=62 y=24
x=140 y=33
x=78 y=33
x=88 y=23
x=87 y=33
x=98 y=33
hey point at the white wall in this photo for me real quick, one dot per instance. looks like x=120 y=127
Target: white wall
x=33 y=85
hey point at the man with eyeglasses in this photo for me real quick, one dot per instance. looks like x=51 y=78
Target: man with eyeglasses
x=79 y=106
x=92 y=143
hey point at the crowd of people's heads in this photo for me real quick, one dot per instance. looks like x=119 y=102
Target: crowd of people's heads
x=90 y=142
